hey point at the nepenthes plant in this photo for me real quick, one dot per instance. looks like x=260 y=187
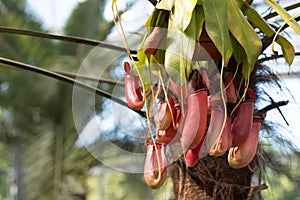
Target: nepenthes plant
x=194 y=71
x=192 y=75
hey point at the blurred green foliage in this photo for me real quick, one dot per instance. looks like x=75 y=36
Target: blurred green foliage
x=119 y=186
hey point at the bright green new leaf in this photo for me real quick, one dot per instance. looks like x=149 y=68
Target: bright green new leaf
x=142 y=58
x=183 y=12
x=287 y=48
x=243 y=32
x=217 y=26
x=285 y=15
x=165 y=5
x=140 y=67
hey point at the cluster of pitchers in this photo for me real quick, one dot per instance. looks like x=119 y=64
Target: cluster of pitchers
x=200 y=125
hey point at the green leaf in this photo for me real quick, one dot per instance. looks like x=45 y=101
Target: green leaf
x=165 y=5
x=288 y=8
x=148 y=22
x=285 y=15
x=239 y=52
x=196 y=24
x=140 y=67
x=217 y=26
x=178 y=57
x=142 y=58
x=243 y=32
x=156 y=62
x=162 y=19
x=174 y=68
x=247 y=69
x=151 y=21
x=200 y=2
x=287 y=48
x=183 y=13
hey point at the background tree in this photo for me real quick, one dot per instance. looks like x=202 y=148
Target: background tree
x=41 y=129
x=39 y=143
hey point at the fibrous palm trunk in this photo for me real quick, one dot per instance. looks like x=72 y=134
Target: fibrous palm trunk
x=211 y=178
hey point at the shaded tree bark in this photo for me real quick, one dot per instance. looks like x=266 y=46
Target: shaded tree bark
x=211 y=178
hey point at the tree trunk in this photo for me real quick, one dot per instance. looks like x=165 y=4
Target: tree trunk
x=211 y=178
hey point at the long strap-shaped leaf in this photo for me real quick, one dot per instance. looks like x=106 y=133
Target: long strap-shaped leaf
x=194 y=29
x=243 y=32
x=140 y=67
x=287 y=48
x=183 y=12
x=217 y=26
x=239 y=52
x=290 y=7
x=285 y=16
x=79 y=40
x=65 y=79
x=179 y=56
x=165 y=4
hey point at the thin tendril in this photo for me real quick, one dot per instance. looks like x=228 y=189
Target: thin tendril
x=224 y=104
x=184 y=76
x=122 y=33
x=281 y=27
x=234 y=75
x=165 y=92
x=167 y=100
x=243 y=97
x=152 y=135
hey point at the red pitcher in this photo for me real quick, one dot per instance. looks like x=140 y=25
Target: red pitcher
x=133 y=92
x=155 y=169
x=240 y=156
x=195 y=120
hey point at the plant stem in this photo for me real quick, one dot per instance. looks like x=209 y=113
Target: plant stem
x=89 y=78
x=63 y=38
x=262 y=112
x=65 y=79
x=286 y=25
x=273 y=57
x=274 y=14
